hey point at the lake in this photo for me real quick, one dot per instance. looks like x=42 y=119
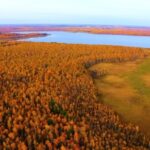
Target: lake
x=89 y=38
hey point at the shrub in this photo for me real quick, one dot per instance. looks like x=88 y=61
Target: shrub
x=56 y=108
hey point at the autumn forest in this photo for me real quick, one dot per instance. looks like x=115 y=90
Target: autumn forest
x=48 y=99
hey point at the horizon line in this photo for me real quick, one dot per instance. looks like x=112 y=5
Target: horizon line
x=65 y=24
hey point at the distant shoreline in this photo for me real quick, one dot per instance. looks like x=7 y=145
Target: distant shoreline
x=113 y=30
x=18 y=36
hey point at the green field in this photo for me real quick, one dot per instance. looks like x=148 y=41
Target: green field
x=126 y=88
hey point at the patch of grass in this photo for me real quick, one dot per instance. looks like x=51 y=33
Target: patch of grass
x=125 y=90
x=146 y=79
x=135 y=78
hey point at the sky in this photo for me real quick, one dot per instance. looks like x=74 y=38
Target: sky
x=96 y=12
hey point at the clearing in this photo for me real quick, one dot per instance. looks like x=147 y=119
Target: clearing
x=126 y=88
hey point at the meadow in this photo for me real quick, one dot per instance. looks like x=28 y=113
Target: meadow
x=131 y=81
x=49 y=100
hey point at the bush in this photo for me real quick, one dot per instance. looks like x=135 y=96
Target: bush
x=56 y=108
x=50 y=122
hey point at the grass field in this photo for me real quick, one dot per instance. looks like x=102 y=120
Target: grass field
x=126 y=88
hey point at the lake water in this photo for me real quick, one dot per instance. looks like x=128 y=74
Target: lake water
x=88 y=38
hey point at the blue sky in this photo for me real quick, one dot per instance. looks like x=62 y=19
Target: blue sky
x=104 y=12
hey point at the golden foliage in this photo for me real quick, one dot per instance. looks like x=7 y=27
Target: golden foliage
x=48 y=99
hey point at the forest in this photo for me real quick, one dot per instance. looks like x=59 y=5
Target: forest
x=48 y=99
